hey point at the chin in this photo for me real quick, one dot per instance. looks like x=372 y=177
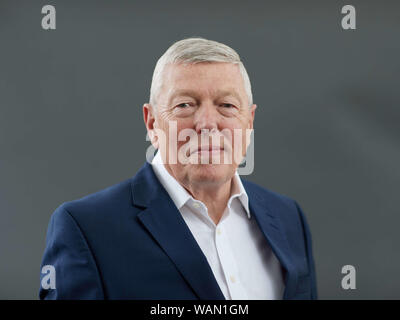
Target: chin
x=212 y=173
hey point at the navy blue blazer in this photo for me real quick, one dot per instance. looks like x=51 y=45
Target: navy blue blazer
x=129 y=241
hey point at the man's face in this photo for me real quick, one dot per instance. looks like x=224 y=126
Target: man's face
x=208 y=101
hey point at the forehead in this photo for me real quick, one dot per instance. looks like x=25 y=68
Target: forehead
x=204 y=76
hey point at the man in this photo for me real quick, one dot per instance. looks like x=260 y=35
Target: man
x=185 y=226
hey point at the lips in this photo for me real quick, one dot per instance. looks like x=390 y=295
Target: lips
x=205 y=149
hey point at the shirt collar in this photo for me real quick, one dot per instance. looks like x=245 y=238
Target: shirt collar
x=180 y=196
x=177 y=193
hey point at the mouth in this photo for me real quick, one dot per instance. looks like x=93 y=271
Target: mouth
x=207 y=150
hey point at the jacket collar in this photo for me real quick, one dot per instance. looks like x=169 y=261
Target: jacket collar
x=268 y=219
x=162 y=219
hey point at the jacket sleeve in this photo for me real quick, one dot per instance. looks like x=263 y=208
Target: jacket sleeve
x=68 y=256
x=310 y=256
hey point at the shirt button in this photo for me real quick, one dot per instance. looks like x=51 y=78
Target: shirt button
x=196 y=205
x=219 y=231
x=233 y=280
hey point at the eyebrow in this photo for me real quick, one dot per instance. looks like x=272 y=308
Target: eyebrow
x=182 y=92
x=194 y=94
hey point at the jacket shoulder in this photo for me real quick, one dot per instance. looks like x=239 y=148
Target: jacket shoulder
x=267 y=194
x=109 y=199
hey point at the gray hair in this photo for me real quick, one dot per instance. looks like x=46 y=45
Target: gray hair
x=196 y=50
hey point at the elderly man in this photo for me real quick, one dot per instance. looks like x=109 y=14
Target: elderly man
x=185 y=226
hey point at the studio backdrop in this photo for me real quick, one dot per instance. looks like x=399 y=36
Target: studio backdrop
x=326 y=132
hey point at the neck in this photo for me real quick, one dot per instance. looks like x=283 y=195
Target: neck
x=215 y=197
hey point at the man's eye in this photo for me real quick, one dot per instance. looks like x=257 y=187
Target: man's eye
x=227 y=105
x=183 y=105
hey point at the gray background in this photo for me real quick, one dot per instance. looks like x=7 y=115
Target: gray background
x=326 y=131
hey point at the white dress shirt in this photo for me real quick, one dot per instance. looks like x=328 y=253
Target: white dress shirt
x=239 y=255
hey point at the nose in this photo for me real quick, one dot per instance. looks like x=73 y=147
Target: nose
x=206 y=118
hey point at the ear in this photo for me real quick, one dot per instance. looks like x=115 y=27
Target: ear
x=252 y=113
x=150 y=123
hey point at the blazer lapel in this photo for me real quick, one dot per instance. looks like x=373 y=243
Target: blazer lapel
x=270 y=225
x=165 y=223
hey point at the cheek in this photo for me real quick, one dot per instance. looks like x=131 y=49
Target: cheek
x=173 y=127
x=184 y=129
x=233 y=129
x=178 y=133
x=236 y=135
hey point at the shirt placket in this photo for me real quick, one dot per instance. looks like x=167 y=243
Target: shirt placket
x=228 y=263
